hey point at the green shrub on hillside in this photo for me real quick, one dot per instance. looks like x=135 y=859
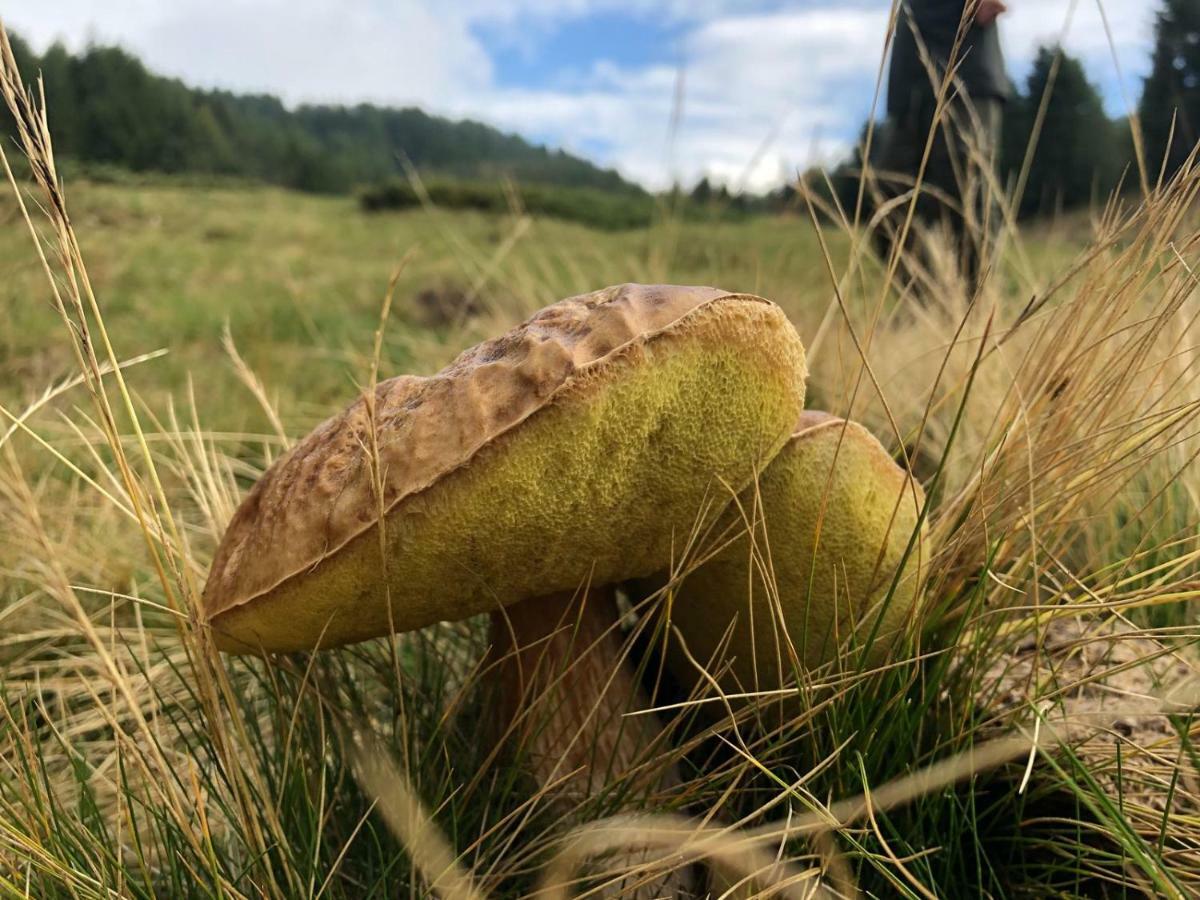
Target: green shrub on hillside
x=595 y=208
x=587 y=206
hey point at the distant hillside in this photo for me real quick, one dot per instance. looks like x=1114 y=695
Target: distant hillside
x=105 y=107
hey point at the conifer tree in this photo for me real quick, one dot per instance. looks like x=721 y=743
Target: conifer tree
x=1172 y=90
x=1077 y=156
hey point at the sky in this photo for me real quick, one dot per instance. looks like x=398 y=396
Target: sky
x=743 y=91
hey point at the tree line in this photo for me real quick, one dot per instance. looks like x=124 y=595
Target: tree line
x=105 y=108
x=1079 y=155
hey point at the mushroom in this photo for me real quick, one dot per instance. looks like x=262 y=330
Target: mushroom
x=830 y=567
x=579 y=449
x=550 y=656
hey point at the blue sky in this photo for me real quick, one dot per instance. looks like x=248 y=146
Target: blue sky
x=565 y=52
x=568 y=48
x=767 y=86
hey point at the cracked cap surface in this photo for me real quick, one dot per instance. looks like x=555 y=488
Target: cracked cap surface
x=581 y=446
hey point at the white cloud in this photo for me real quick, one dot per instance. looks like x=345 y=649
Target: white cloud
x=761 y=94
x=1030 y=24
x=1127 y=35
x=772 y=90
x=317 y=50
x=562 y=10
x=327 y=50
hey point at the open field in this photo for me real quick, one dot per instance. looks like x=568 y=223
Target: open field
x=1052 y=422
x=300 y=280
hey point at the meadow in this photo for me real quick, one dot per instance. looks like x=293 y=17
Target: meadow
x=300 y=279
x=1036 y=740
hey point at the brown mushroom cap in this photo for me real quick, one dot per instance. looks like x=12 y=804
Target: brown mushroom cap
x=581 y=446
x=837 y=514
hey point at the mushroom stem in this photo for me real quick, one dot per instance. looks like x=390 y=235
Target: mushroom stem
x=566 y=690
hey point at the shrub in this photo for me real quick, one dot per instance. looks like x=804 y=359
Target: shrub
x=597 y=209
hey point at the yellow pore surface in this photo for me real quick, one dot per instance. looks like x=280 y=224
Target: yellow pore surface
x=601 y=484
x=812 y=584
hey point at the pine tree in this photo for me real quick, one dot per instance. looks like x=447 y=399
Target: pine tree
x=1172 y=90
x=26 y=61
x=1077 y=158
x=62 y=99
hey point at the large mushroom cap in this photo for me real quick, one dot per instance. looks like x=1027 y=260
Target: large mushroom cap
x=581 y=446
x=837 y=515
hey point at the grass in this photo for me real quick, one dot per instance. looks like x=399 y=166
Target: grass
x=300 y=279
x=1052 y=419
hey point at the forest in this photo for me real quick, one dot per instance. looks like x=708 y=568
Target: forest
x=107 y=109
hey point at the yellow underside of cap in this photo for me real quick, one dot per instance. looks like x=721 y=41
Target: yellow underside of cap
x=605 y=483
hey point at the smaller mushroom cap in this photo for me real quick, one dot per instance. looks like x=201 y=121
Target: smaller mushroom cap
x=837 y=515
x=581 y=447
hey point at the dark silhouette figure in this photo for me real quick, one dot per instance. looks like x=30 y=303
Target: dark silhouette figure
x=933 y=37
